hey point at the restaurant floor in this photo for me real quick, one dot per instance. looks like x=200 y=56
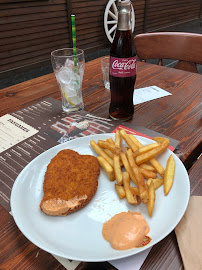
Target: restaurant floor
x=192 y=27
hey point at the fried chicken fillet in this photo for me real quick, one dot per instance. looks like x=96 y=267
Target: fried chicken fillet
x=70 y=182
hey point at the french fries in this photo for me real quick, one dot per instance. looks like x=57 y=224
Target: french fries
x=117 y=160
x=128 y=140
x=147 y=174
x=143 y=192
x=107 y=168
x=128 y=167
x=169 y=175
x=101 y=153
x=135 y=141
x=152 y=153
x=157 y=166
x=157 y=182
x=132 y=199
x=160 y=139
x=135 y=191
x=110 y=140
x=147 y=148
x=117 y=169
x=150 y=204
x=147 y=167
x=118 y=138
x=112 y=147
x=109 y=153
x=121 y=191
x=139 y=166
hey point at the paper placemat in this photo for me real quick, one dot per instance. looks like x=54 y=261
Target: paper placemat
x=148 y=93
x=42 y=126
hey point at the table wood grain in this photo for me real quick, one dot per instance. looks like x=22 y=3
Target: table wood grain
x=177 y=116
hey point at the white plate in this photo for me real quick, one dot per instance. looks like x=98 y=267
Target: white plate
x=78 y=236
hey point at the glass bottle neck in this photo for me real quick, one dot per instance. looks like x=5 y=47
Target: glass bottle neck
x=124 y=16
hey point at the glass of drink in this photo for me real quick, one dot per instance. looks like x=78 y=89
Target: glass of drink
x=69 y=70
x=105 y=71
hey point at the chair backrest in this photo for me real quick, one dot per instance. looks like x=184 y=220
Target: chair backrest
x=185 y=47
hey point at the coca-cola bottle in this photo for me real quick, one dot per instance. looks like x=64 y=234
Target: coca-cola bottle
x=122 y=66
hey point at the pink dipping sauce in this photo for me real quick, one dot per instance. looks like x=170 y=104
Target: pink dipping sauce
x=125 y=230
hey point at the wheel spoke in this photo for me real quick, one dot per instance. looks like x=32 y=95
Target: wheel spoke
x=112 y=29
x=113 y=35
x=113 y=15
x=115 y=9
x=111 y=22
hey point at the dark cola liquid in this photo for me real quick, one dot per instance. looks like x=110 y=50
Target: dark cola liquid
x=122 y=88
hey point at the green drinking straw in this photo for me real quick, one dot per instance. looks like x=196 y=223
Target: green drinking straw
x=74 y=39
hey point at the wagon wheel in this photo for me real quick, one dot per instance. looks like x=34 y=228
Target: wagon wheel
x=111 y=18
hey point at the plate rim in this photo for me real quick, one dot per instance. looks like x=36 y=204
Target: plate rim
x=130 y=251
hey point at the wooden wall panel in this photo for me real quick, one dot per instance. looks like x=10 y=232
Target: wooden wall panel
x=139 y=8
x=90 y=24
x=30 y=30
x=162 y=14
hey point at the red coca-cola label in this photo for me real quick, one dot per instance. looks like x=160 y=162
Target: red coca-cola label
x=123 y=67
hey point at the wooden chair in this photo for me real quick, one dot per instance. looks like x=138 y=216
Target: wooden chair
x=185 y=47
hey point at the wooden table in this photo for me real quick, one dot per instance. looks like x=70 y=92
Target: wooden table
x=177 y=116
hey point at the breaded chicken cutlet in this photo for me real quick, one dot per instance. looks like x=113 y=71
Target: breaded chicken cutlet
x=70 y=182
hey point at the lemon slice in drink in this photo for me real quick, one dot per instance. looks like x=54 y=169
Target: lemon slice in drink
x=72 y=100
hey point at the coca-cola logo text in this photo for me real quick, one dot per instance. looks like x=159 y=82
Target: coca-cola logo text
x=130 y=64
x=123 y=67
